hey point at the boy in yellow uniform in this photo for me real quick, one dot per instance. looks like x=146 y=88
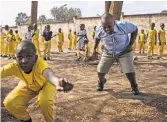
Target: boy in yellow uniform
x=11 y=43
x=18 y=39
x=47 y=42
x=70 y=40
x=93 y=36
x=35 y=38
x=142 y=41
x=134 y=46
x=36 y=78
x=151 y=40
x=6 y=32
x=74 y=41
x=60 y=40
x=2 y=42
x=85 y=52
x=162 y=40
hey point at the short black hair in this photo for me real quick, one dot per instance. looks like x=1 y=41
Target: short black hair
x=106 y=15
x=27 y=44
x=16 y=31
x=162 y=24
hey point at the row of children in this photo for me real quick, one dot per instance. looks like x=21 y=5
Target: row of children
x=151 y=40
x=8 y=42
x=77 y=41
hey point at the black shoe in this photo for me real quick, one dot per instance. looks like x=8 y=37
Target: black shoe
x=30 y=120
x=5 y=56
x=44 y=58
x=135 y=91
x=101 y=85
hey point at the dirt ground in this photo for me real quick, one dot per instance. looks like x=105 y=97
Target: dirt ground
x=114 y=104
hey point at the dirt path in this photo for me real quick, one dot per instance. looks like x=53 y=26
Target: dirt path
x=114 y=104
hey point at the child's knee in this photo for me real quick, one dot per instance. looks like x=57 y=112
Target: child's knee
x=8 y=103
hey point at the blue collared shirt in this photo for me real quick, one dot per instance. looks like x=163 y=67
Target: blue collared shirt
x=119 y=40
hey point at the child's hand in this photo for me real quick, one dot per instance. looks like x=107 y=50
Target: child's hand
x=64 y=85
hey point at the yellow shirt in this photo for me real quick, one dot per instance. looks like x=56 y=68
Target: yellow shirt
x=60 y=36
x=11 y=38
x=70 y=36
x=6 y=34
x=151 y=34
x=17 y=37
x=142 y=37
x=93 y=34
x=2 y=37
x=36 y=36
x=162 y=35
x=35 y=80
x=75 y=38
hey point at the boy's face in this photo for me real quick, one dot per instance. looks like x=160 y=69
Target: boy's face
x=162 y=26
x=11 y=32
x=26 y=58
x=60 y=30
x=142 y=31
x=82 y=27
x=69 y=30
x=48 y=28
x=152 y=26
x=7 y=28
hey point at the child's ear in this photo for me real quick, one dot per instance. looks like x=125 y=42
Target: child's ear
x=36 y=57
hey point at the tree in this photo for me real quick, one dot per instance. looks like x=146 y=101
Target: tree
x=49 y=21
x=164 y=11
x=65 y=14
x=21 y=18
x=115 y=8
x=42 y=19
x=34 y=9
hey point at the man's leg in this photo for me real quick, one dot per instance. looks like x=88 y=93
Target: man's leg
x=46 y=101
x=103 y=67
x=127 y=66
x=16 y=101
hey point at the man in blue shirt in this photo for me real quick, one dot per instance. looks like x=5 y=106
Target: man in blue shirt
x=116 y=46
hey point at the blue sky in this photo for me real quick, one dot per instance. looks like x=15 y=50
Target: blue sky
x=10 y=9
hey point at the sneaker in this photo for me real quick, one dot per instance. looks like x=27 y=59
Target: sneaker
x=44 y=58
x=100 y=85
x=135 y=91
x=158 y=57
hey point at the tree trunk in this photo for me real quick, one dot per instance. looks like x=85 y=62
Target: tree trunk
x=114 y=8
x=34 y=8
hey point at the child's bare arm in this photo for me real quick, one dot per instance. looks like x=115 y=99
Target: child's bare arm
x=60 y=84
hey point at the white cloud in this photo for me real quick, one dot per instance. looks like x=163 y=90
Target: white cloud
x=95 y=3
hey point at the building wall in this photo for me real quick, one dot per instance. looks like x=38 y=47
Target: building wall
x=142 y=21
